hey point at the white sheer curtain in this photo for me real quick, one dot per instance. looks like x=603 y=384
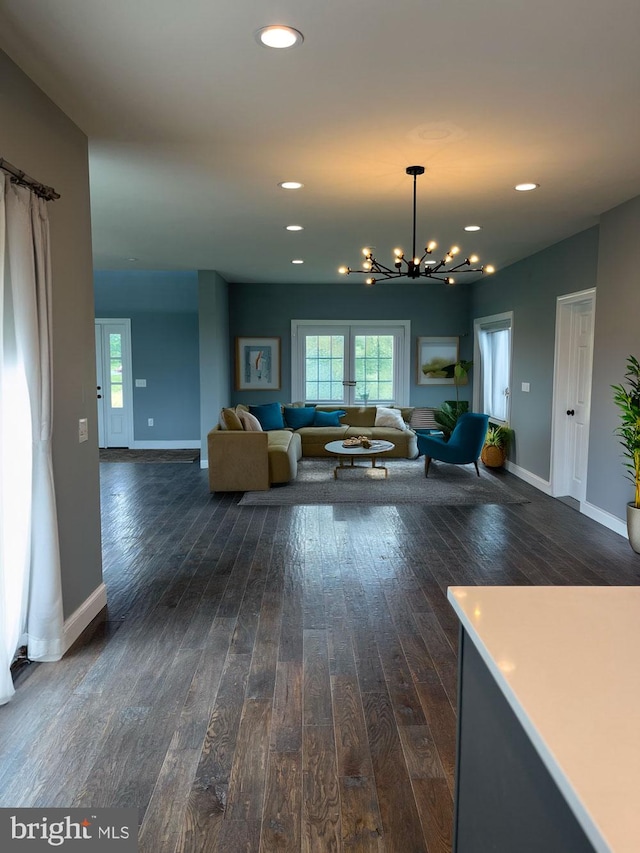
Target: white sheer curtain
x=30 y=587
x=494 y=350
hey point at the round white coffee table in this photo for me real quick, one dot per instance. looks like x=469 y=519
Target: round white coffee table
x=377 y=447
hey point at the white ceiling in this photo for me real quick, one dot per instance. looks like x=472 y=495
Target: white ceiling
x=192 y=124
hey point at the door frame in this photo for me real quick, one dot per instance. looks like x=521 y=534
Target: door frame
x=127 y=368
x=564 y=305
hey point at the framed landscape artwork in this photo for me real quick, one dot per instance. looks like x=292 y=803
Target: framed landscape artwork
x=436 y=360
x=257 y=364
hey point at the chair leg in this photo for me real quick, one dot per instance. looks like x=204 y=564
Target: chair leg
x=427 y=462
x=477 y=469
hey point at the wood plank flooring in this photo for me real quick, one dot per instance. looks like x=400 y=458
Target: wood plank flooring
x=281 y=678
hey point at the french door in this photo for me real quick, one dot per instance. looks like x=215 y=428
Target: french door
x=113 y=383
x=350 y=363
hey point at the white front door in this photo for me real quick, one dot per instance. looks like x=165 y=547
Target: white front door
x=574 y=356
x=114 y=376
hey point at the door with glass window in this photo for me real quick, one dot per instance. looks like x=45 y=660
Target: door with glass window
x=349 y=364
x=113 y=383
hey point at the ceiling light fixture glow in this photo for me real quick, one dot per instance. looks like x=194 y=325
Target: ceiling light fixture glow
x=418 y=266
x=526 y=187
x=279 y=36
x=290 y=185
x=473 y=227
x=297 y=261
x=295 y=228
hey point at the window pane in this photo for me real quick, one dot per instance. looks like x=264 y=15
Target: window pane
x=116 y=397
x=115 y=345
x=116 y=371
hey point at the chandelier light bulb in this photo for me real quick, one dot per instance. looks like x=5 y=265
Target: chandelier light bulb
x=448 y=258
x=451 y=281
x=366 y=265
x=398 y=253
x=432 y=245
x=454 y=250
x=474 y=259
x=370 y=281
x=343 y=270
x=489 y=268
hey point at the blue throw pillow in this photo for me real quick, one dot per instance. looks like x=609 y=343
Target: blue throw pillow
x=269 y=415
x=328 y=419
x=299 y=416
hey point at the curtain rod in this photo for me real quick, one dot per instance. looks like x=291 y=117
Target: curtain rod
x=23 y=180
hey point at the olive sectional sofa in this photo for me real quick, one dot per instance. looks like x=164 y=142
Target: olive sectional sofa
x=242 y=459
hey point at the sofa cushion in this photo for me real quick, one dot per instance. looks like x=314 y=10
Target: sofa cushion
x=328 y=419
x=269 y=415
x=230 y=420
x=386 y=417
x=299 y=416
x=249 y=422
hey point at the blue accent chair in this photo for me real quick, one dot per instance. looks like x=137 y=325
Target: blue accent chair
x=464 y=445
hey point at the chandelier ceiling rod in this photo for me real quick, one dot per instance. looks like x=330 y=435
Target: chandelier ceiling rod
x=418 y=267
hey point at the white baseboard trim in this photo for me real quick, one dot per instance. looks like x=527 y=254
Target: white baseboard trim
x=204 y=463
x=605 y=518
x=187 y=444
x=83 y=616
x=528 y=477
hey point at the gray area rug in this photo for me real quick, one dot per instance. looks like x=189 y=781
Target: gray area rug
x=447 y=485
x=121 y=454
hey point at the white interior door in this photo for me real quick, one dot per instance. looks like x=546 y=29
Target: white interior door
x=100 y=385
x=114 y=376
x=574 y=357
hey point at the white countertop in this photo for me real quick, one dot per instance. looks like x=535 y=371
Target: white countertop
x=567 y=660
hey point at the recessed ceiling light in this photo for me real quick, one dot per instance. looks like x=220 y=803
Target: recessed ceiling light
x=290 y=185
x=132 y=259
x=473 y=227
x=279 y=37
x=297 y=261
x=525 y=188
x=295 y=228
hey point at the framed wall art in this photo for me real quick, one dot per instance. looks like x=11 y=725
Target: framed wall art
x=436 y=361
x=257 y=364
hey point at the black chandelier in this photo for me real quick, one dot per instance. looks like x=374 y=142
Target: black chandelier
x=416 y=267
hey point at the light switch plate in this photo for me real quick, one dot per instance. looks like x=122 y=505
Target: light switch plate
x=83 y=430
x=526 y=386
x=141 y=383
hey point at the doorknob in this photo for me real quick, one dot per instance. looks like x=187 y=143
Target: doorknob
x=99 y=396
x=571 y=412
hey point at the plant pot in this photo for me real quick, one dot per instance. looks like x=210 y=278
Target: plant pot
x=633 y=526
x=492 y=456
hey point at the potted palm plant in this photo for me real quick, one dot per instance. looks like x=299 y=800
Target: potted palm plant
x=447 y=415
x=627 y=399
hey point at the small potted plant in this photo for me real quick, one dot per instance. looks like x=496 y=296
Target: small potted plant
x=496 y=445
x=627 y=399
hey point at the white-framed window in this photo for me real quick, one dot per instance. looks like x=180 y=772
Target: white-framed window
x=492 y=366
x=350 y=362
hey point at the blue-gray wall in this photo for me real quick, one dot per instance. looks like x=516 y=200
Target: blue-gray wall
x=163 y=308
x=215 y=360
x=529 y=289
x=434 y=310
x=617 y=335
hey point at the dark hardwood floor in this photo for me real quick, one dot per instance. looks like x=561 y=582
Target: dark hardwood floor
x=278 y=678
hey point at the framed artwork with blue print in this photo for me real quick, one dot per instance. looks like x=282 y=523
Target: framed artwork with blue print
x=257 y=364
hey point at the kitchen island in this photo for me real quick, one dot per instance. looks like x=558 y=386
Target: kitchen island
x=548 y=720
